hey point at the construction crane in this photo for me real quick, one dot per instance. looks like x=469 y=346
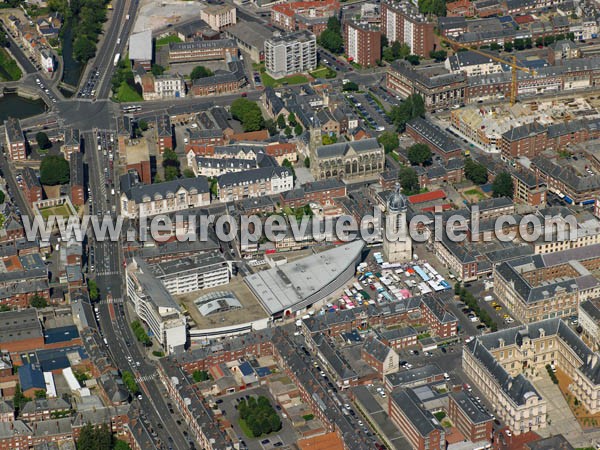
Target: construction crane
x=514 y=67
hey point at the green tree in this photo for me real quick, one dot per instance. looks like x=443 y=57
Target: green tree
x=409 y=181
x=95 y=438
x=171 y=173
x=475 y=172
x=248 y=113
x=298 y=129
x=42 y=140
x=412 y=107
x=288 y=132
x=389 y=140
x=2 y=197
x=307 y=162
x=350 y=86
x=508 y=47
x=39 y=393
x=419 y=154
x=19 y=399
x=121 y=445
x=83 y=48
x=54 y=169
x=439 y=55
x=503 y=185
x=37 y=301
x=495 y=46
x=271 y=127
x=157 y=179
x=281 y=121
x=292 y=119
x=200 y=72
x=188 y=173
x=396 y=51
x=200 y=375
x=93 y=290
x=331 y=41
x=435 y=7
x=129 y=382
x=3 y=39
x=157 y=70
x=413 y=59
x=288 y=165
x=333 y=24
x=143 y=125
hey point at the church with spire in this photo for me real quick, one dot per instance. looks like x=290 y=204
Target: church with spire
x=397 y=244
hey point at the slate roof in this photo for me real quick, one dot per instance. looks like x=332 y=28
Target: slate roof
x=342 y=148
x=376 y=349
x=424 y=422
x=252 y=176
x=139 y=191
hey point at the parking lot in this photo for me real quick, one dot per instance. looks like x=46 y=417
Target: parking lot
x=285 y=436
x=359 y=103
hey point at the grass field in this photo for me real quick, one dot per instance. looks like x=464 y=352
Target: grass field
x=474 y=193
x=9 y=70
x=60 y=210
x=269 y=81
x=167 y=40
x=323 y=72
x=127 y=94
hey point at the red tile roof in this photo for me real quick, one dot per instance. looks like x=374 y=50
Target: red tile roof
x=427 y=197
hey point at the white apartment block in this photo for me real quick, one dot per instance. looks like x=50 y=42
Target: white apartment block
x=155 y=306
x=193 y=273
x=290 y=54
x=219 y=16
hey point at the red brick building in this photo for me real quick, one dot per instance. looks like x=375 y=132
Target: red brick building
x=418 y=425
x=401 y=21
x=469 y=417
x=32 y=189
x=311 y=15
x=362 y=42
x=322 y=192
x=164 y=133
x=526 y=140
x=442 y=322
x=77 y=179
x=16 y=146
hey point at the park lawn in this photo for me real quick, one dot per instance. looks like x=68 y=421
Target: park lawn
x=9 y=70
x=475 y=192
x=60 y=210
x=269 y=81
x=127 y=94
x=246 y=429
x=171 y=39
x=323 y=72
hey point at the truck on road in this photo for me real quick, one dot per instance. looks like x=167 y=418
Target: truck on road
x=116 y=61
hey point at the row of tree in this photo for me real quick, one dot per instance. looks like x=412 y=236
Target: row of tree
x=140 y=333
x=331 y=37
x=129 y=382
x=86 y=18
x=469 y=299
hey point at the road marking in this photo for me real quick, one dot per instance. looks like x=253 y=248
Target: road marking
x=145 y=378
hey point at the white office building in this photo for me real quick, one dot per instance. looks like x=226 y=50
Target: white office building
x=291 y=53
x=155 y=306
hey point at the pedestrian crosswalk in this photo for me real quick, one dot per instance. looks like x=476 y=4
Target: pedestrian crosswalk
x=107 y=273
x=145 y=378
x=110 y=300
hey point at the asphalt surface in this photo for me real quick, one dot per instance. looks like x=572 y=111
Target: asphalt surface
x=110 y=277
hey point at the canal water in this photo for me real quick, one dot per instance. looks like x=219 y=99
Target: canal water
x=14 y=106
